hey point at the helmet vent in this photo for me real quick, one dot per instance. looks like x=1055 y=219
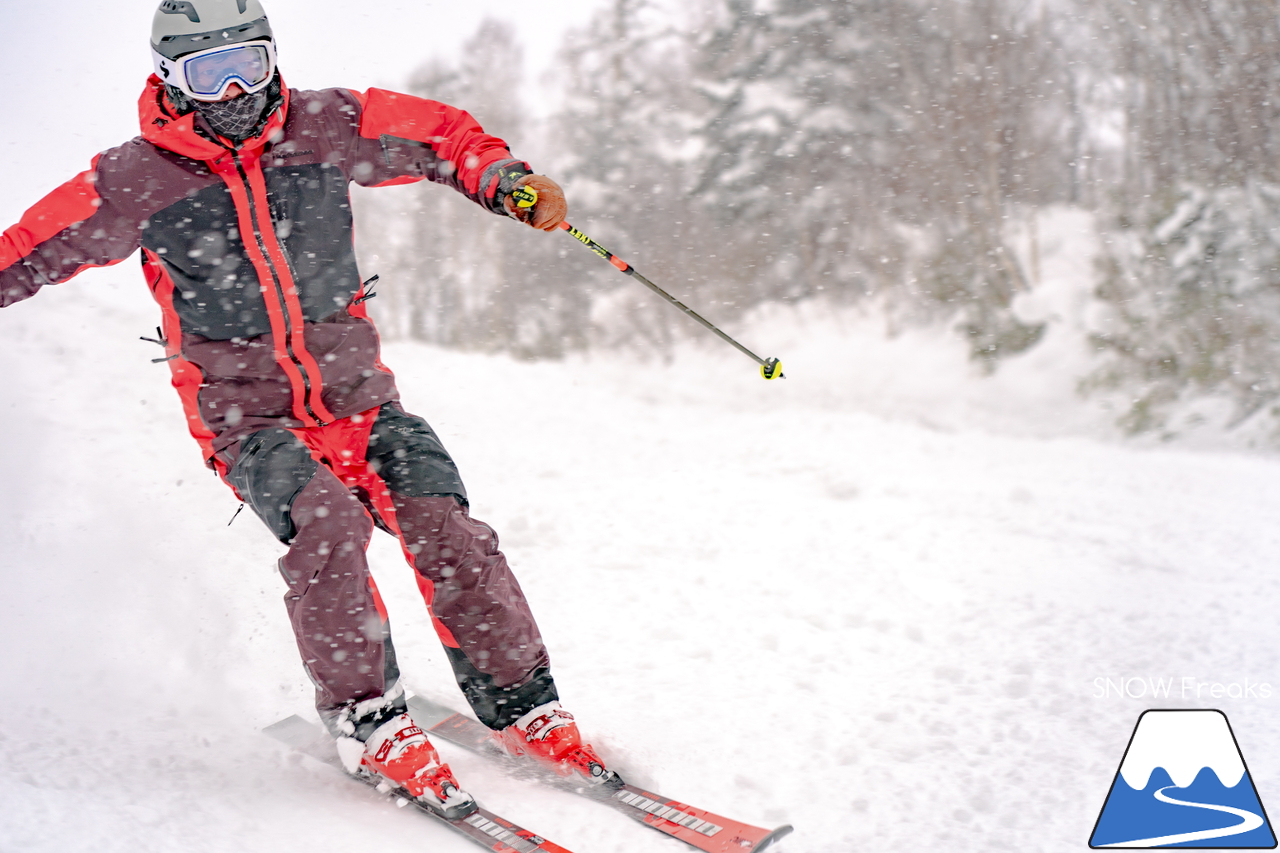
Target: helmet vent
x=184 y=7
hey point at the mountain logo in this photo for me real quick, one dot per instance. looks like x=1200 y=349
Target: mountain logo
x=1183 y=783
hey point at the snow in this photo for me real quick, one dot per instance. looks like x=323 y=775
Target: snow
x=1183 y=743
x=876 y=600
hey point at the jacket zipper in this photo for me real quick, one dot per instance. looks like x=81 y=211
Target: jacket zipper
x=279 y=291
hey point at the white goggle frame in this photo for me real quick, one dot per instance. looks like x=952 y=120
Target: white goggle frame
x=174 y=72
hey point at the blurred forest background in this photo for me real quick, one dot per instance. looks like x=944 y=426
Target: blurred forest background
x=896 y=155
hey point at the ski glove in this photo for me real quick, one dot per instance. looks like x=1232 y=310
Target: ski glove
x=551 y=208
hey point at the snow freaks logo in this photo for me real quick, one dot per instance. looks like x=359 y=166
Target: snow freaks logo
x=1187 y=687
x=1183 y=783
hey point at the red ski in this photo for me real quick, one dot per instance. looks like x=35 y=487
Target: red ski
x=481 y=826
x=696 y=827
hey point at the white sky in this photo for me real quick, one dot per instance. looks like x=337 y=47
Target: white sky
x=73 y=70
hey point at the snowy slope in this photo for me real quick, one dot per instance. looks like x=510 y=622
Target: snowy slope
x=796 y=602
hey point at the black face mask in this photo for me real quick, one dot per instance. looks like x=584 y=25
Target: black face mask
x=238 y=119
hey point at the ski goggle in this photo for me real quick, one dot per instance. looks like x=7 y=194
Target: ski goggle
x=208 y=74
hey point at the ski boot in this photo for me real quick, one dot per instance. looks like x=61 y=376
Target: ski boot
x=399 y=754
x=549 y=735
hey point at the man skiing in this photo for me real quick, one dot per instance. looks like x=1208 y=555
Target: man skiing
x=237 y=194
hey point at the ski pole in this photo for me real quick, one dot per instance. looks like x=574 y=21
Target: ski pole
x=770 y=368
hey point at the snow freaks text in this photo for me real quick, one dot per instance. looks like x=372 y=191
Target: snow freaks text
x=1185 y=687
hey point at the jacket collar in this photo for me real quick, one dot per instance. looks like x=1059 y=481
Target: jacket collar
x=162 y=126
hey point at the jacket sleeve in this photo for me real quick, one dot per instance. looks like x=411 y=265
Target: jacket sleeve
x=70 y=229
x=403 y=139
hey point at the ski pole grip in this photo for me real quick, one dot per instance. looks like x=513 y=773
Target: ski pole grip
x=525 y=197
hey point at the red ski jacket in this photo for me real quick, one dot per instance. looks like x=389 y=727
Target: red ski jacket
x=248 y=249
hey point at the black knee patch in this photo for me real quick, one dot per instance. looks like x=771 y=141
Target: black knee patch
x=409 y=457
x=272 y=467
x=499 y=707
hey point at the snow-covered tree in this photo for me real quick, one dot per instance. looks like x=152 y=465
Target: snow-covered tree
x=623 y=147
x=873 y=146
x=452 y=273
x=1192 y=269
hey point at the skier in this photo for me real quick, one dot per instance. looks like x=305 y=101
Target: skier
x=237 y=194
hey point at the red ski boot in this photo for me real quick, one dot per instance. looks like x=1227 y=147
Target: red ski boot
x=399 y=753
x=549 y=735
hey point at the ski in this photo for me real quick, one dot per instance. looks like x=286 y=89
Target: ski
x=696 y=827
x=482 y=826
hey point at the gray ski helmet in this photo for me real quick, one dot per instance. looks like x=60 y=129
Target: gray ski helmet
x=185 y=26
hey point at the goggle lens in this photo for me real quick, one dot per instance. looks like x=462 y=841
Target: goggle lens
x=250 y=64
